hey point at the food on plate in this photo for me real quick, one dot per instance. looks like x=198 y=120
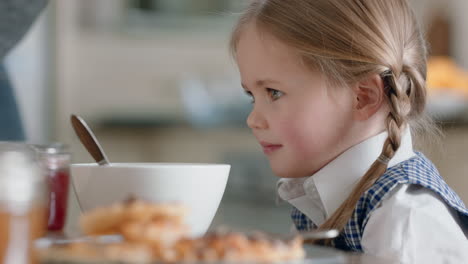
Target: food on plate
x=138 y=221
x=157 y=233
x=235 y=247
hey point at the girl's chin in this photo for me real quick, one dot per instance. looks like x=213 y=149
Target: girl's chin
x=282 y=172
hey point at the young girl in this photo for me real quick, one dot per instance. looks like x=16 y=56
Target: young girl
x=335 y=85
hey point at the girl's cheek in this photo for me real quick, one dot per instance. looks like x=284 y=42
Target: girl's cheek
x=295 y=135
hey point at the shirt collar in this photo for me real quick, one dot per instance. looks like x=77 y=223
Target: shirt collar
x=346 y=170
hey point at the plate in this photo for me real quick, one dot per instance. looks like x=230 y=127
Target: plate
x=314 y=254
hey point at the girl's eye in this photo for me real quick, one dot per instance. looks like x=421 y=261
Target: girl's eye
x=274 y=94
x=250 y=95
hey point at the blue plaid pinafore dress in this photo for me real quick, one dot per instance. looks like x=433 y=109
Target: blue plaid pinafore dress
x=417 y=170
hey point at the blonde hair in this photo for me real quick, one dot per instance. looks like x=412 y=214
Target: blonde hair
x=349 y=40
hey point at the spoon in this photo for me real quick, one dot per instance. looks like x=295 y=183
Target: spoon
x=88 y=139
x=309 y=236
x=318 y=234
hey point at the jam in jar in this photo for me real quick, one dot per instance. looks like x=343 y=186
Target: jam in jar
x=55 y=161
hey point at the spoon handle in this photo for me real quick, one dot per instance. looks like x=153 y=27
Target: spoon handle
x=309 y=237
x=319 y=234
x=88 y=139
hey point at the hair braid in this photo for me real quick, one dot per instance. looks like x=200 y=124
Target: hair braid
x=396 y=122
x=416 y=89
x=400 y=107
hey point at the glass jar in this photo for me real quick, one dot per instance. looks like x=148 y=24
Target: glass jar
x=55 y=161
x=23 y=192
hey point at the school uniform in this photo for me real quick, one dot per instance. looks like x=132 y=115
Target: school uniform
x=410 y=214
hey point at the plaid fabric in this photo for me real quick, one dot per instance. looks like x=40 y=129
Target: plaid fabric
x=417 y=170
x=301 y=221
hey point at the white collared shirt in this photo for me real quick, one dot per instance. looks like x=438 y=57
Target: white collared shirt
x=412 y=225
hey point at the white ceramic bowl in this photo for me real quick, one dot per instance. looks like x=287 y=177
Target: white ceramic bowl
x=199 y=186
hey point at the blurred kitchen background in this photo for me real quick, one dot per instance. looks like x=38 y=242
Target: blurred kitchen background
x=155 y=80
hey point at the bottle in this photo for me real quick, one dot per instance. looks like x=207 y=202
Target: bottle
x=55 y=161
x=23 y=191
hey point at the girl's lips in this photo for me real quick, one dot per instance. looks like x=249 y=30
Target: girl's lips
x=270 y=148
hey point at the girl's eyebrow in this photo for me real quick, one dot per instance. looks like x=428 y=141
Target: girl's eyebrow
x=265 y=81
x=261 y=83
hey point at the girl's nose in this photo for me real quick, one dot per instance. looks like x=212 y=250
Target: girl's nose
x=256 y=120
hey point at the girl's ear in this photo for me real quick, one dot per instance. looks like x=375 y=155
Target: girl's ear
x=369 y=96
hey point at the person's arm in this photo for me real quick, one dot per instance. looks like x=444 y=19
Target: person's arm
x=16 y=17
x=415 y=226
